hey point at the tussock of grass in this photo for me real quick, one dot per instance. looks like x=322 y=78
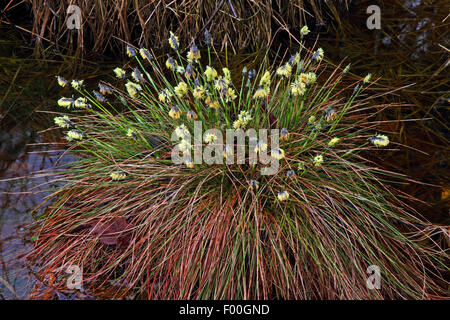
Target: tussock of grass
x=195 y=231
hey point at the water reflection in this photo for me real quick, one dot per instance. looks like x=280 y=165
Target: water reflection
x=20 y=157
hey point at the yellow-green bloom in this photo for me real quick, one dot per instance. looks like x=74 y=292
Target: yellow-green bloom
x=380 y=140
x=265 y=79
x=65 y=102
x=346 y=69
x=318 y=160
x=189 y=163
x=165 y=96
x=104 y=89
x=308 y=78
x=261 y=93
x=226 y=74
x=304 y=30
x=120 y=73
x=210 y=138
x=211 y=103
x=130 y=51
x=137 y=75
x=227 y=151
x=175 y=112
x=182 y=131
x=77 y=84
x=333 y=141
x=171 y=64
x=184 y=146
x=298 y=88
x=284 y=133
x=244 y=118
x=191 y=115
x=118 y=175
x=81 y=103
x=74 y=135
x=61 y=81
x=193 y=54
x=145 y=54
x=230 y=94
x=284 y=70
x=283 y=195
x=367 y=78
x=173 y=41
x=278 y=153
x=260 y=146
x=318 y=55
x=301 y=166
x=330 y=115
x=133 y=89
x=63 y=122
x=181 y=89
x=254 y=184
x=199 y=92
x=210 y=73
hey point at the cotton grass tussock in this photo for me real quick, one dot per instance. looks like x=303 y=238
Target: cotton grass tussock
x=224 y=230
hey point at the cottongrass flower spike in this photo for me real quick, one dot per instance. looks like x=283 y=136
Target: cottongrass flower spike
x=145 y=54
x=63 y=122
x=165 y=96
x=81 y=103
x=290 y=173
x=99 y=96
x=283 y=195
x=118 y=175
x=318 y=160
x=347 y=68
x=171 y=64
x=333 y=141
x=131 y=133
x=379 y=140
x=210 y=73
x=173 y=41
x=261 y=92
x=189 y=163
x=208 y=39
x=74 y=135
x=182 y=131
x=120 y=73
x=193 y=54
x=181 y=89
x=61 y=81
x=130 y=51
x=175 y=112
x=65 y=102
x=104 y=89
x=191 y=115
x=137 y=75
x=318 y=55
x=254 y=184
x=278 y=153
x=133 y=89
x=304 y=30
x=210 y=138
x=284 y=133
x=77 y=84
x=298 y=88
x=285 y=70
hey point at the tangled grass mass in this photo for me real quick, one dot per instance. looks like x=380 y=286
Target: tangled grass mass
x=160 y=230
